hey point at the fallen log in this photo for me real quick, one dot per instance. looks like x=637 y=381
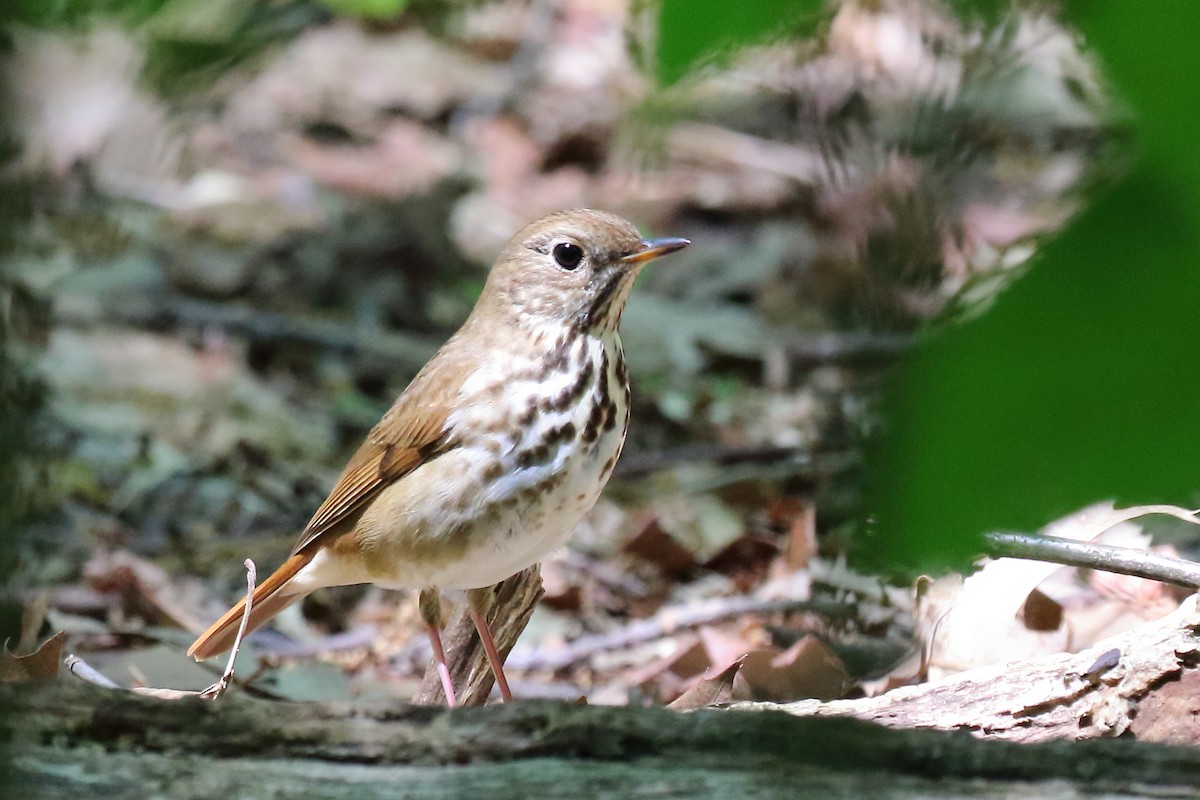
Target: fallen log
x=68 y=739
x=73 y=740
x=1097 y=692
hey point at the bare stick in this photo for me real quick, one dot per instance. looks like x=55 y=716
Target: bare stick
x=82 y=670
x=217 y=689
x=666 y=622
x=86 y=672
x=1088 y=555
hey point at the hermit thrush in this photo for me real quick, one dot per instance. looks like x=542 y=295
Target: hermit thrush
x=497 y=448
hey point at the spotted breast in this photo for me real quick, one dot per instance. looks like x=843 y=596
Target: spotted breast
x=515 y=484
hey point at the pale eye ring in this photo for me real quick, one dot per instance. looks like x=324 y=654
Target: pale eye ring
x=568 y=255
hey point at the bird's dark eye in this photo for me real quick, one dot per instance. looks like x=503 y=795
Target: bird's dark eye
x=567 y=255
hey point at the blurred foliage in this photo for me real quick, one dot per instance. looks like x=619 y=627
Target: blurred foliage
x=694 y=31
x=16 y=393
x=1081 y=383
x=189 y=42
x=21 y=394
x=193 y=42
x=368 y=9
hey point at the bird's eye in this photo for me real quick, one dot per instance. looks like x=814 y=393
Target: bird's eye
x=568 y=255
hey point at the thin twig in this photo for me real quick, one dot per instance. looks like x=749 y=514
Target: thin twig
x=1088 y=555
x=82 y=670
x=217 y=689
x=666 y=622
x=86 y=672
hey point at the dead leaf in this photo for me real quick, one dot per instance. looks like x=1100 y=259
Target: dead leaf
x=40 y=665
x=703 y=523
x=746 y=554
x=1149 y=598
x=905 y=674
x=709 y=690
x=798 y=517
x=807 y=669
x=1090 y=522
x=1041 y=613
x=974 y=622
x=687 y=659
x=1101 y=618
x=986 y=618
x=661 y=549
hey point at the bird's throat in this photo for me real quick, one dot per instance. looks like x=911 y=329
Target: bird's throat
x=603 y=314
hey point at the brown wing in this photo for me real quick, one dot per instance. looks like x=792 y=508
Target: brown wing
x=410 y=433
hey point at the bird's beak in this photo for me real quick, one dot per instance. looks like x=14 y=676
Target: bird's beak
x=654 y=248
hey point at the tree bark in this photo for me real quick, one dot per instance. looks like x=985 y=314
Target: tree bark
x=74 y=740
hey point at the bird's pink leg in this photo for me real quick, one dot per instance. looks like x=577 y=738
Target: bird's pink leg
x=431 y=612
x=439 y=655
x=478 y=601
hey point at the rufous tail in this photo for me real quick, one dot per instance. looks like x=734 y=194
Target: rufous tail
x=268 y=601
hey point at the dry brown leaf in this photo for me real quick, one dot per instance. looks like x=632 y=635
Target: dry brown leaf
x=1149 y=598
x=975 y=622
x=798 y=517
x=1101 y=618
x=40 y=665
x=807 y=669
x=978 y=621
x=748 y=555
x=906 y=674
x=708 y=691
x=661 y=549
x=33 y=614
x=688 y=659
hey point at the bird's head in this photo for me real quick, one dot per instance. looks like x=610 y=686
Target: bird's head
x=572 y=267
